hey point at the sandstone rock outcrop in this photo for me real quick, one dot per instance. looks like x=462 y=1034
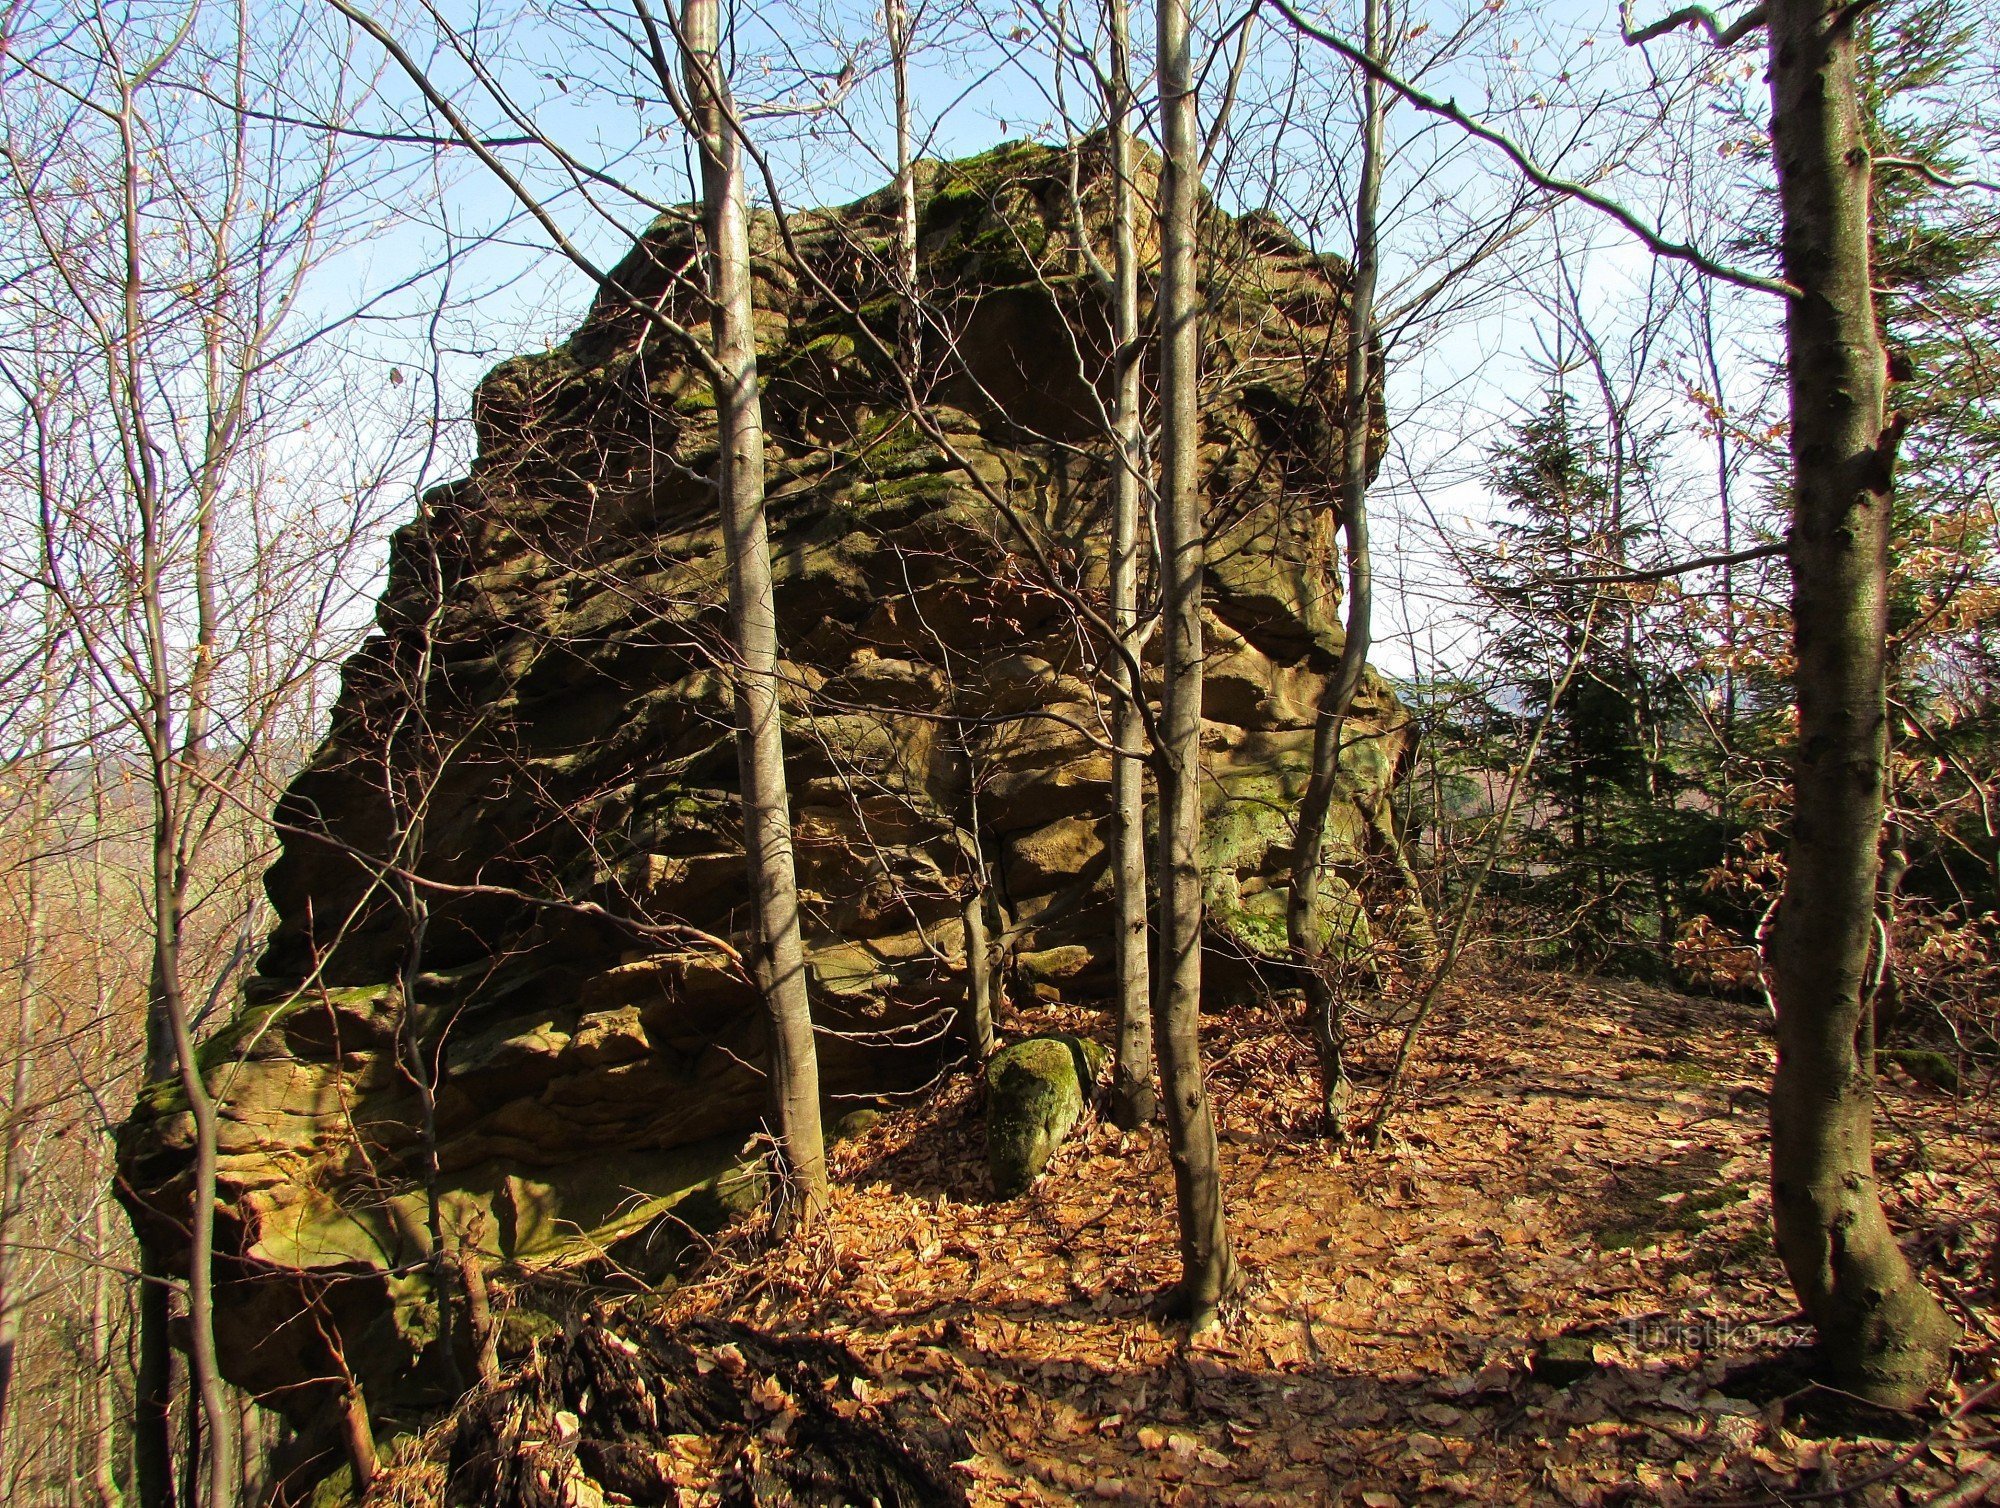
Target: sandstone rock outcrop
x=499 y=999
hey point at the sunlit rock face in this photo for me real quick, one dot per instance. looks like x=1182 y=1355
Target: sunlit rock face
x=515 y=868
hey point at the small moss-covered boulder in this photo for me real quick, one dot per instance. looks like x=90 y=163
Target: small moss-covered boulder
x=1929 y=1067
x=1035 y=1091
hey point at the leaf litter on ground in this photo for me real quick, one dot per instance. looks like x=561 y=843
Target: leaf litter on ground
x=1579 y=1161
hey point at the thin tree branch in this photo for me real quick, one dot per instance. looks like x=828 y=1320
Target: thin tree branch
x=475 y=144
x=1649 y=236
x=1690 y=15
x=1931 y=175
x=1678 y=568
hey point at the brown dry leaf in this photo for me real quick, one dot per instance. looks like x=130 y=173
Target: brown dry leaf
x=1377 y=1345
x=768 y=1394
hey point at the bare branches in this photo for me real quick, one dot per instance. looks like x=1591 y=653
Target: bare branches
x=1649 y=236
x=1932 y=176
x=1678 y=568
x=1719 y=34
x=1461 y=924
x=475 y=142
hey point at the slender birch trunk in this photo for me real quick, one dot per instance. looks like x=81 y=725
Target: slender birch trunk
x=1208 y=1265
x=909 y=319
x=1881 y=1333
x=1133 y=1101
x=767 y=819
x=978 y=975
x=1303 y=921
x=170 y=1002
x=153 y=1379
x=897 y=16
x=173 y=754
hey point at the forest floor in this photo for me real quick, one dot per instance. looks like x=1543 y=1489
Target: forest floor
x=1575 y=1157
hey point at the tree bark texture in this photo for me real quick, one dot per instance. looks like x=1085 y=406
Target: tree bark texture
x=1133 y=1101
x=14 y=1172
x=767 y=816
x=1881 y=1334
x=102 y=1400
x=1208 y=1265
x=1302 y=910
x=153 y=1389
x=979 y=973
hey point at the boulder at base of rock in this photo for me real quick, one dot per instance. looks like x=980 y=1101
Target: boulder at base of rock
x=1035 y=1091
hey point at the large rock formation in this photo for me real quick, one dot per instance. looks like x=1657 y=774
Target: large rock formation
x=511 y=873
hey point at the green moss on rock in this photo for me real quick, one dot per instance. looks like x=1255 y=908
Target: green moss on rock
x=601 y=1079
x=1035 y=1093
x=1929 y=1067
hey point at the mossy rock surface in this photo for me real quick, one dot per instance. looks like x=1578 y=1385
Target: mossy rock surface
x=557 y=617
x=1036 y=1090
x=335 y=1491
x=1928 y=1066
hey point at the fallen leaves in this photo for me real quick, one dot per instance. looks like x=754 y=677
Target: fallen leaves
x=1571 y=1166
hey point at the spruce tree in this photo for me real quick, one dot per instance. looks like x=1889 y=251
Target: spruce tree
x=1610 y=855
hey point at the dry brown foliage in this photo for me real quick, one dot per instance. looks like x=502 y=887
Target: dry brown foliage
x=1581 y=1159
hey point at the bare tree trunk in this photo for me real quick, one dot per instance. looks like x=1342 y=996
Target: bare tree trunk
x=479 y=1307
x=1881 y=1334
x=10 y=1206
x=168 y=1003
x=1133 y=1101
x=191 y=1452
x=358 y=1436
x=978 y=975
x=153 y=1382
x=11 y=1201
x=767 y=816
x=103 y=1392
x=250 y=1447
x=102 y=1413
x=168 y=1006
x=171 y=1005
x=171 y=769
x=897 y=15
x=909 y=319
x=1302 y=912
x=1208 y=1265
x=153 y=1389
x=13 y=1154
